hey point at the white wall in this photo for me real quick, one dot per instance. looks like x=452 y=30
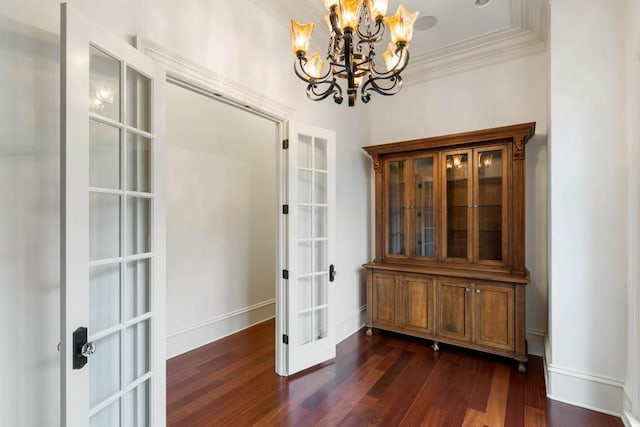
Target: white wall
x=588 y=245
x=221 y=219
x=508 y=93
x=237 y=40
x=29 y=225
x=632 y=385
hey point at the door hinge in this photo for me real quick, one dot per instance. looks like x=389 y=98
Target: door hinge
x=285 y=209
x=285 y=144
x=285 y=339
x=285 y=274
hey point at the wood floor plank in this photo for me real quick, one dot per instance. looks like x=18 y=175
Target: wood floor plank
x=380 y=380
x=473 y=418
x=497 y=401
x=514 y=415
x=534 y=417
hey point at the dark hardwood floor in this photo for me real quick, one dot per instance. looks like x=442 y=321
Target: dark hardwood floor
x=383 y=380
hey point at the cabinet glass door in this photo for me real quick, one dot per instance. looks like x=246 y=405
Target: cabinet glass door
x=424 y=220
x=491 y=204
x=396 y=238
x=458 y=204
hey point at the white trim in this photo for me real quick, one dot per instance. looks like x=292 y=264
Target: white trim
x=629 y=420
x=202 y=333
x=192 y=76
x=535 y=342
x=351 y=324
x=627 y=416
x=596 y=392
x=185 y=73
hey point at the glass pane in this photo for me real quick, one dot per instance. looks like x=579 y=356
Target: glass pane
x=136 y=407
x=320 y=284
x=138 y=100
x=319 y=187
x=320 y=221
x=306 y=331
x=396 y=207
x=104 y=297
x=138 y=163
x=104 y=226
x=104 y=155
x=304 y=151
x=104 y=369
x=304 y=186
x=104 y=84
x=490 y=205
x=137 y=357
x=138 y=218
x=108 y=417
x=304 y=257
x=320 y=154
x=304 y=222
x=320 y=256
x=320 y=323
x=304 y=293
x=457 y=205
x=424 y=204
x=137 y=288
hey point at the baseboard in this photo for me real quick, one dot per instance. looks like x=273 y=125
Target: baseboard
x=535 y=342
x=627 y=417
x=201 y=333
x=583 y=389
x=629 y=420
x=351 y=324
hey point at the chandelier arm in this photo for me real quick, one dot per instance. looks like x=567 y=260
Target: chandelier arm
x=304 y=76
x=333 y=89
x=394 y=88
x=396 y=70
x=372 y=38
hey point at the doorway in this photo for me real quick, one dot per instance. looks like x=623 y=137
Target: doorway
x=222 y=198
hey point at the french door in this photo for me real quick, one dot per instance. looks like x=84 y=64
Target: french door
x=112 y=230
x=311 y=247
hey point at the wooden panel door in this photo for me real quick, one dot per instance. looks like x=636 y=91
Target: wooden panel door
x=494 y=315
x=454 y=309
x=418 y=294
x=384 y=298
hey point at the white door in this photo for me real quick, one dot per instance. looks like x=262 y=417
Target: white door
x=112 y=230
x=311 y=249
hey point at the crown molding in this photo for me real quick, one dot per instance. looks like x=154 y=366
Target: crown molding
x=526 y=35
x=185 y=73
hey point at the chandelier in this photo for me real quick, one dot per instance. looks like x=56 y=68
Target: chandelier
x=355 y=27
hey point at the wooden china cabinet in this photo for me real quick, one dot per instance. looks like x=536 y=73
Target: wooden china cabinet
x=449 y=262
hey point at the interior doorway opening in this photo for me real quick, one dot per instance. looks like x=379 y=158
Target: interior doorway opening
x=222 y=218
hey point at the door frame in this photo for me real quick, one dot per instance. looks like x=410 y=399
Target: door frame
x=189 y=75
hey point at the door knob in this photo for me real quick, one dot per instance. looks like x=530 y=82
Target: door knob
x=82 y=349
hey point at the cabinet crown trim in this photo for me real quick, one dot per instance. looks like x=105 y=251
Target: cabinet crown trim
x=520 y=133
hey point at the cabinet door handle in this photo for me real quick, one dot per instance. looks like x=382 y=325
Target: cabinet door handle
x=477 y=291
x=404 y=282
x=467 y=289
x=397 y=281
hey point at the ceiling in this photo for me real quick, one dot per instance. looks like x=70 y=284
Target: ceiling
x=465 y=36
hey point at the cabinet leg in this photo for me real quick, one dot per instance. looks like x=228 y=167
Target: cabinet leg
x=435 y=346
x=369 y=332
x=522 y=367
